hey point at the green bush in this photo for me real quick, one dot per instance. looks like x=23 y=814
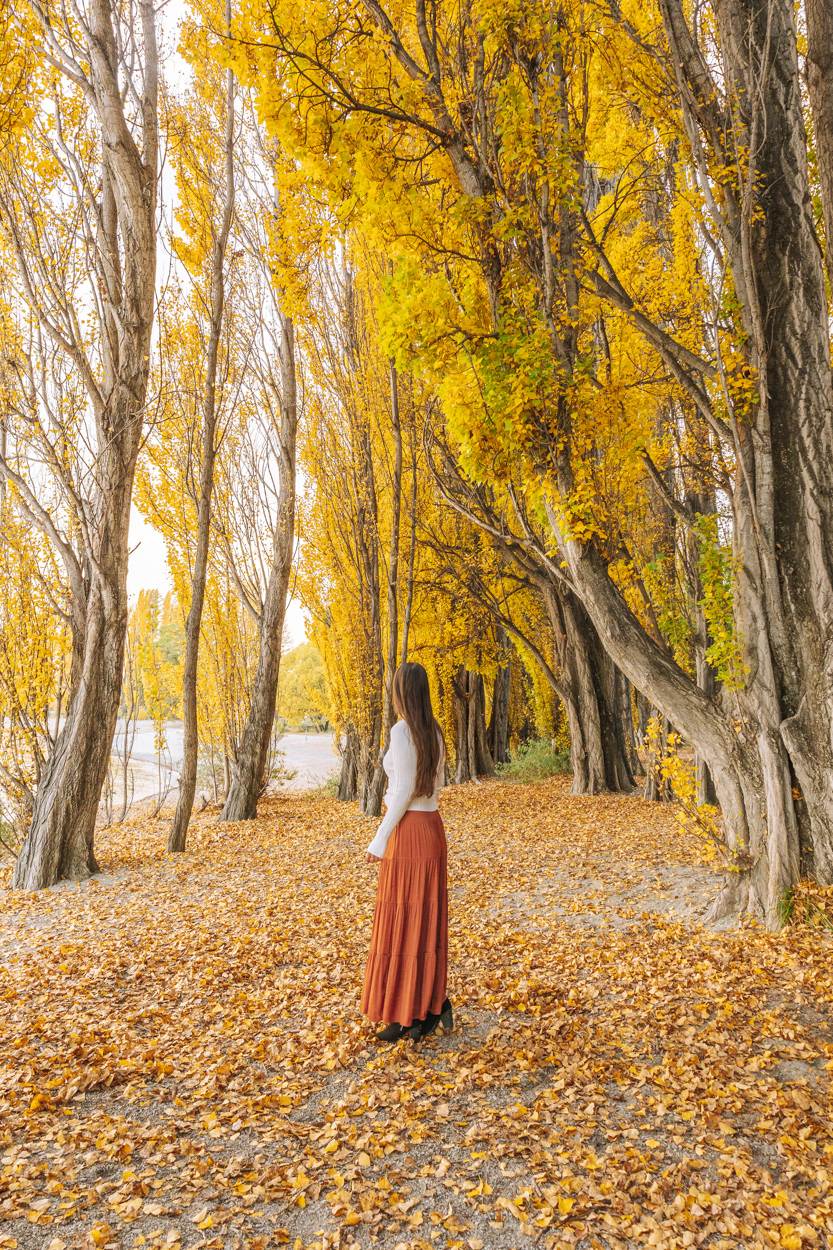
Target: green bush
x=328 y=789
x=534 y=760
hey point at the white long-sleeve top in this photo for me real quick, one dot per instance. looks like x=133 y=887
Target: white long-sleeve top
x=400 y=764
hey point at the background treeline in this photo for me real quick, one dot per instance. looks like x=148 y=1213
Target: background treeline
x=498 y=332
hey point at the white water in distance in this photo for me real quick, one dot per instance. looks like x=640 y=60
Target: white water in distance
x=312 y=758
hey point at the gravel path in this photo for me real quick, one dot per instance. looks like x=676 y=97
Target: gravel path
x=183 y=1064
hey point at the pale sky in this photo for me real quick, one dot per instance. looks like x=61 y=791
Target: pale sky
x=148 y=570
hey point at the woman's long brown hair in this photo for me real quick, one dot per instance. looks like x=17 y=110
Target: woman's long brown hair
x=412 y=700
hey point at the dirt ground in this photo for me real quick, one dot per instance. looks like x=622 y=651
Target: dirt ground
x=183 y=1063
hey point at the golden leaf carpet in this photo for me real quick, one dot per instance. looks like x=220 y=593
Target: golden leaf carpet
x=182 y=1062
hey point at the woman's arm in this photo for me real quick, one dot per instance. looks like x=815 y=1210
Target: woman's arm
x=404 y=777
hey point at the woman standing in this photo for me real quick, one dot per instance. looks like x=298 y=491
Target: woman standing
x=405 y=978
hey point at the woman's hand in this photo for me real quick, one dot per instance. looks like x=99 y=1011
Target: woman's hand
x=373 y=858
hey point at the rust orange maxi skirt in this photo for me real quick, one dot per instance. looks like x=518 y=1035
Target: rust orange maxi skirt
x=406 y=969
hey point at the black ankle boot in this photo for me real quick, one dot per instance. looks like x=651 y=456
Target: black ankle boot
x=445 y=1018
x=390 y=1033
x=400 y=1032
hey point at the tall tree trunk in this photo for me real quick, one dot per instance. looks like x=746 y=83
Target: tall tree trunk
x=701 y=505
x=249 y=775
x=348 y=776
x=499 y=718
x=473 y=758
x=463 y=692
x=412 y=518
x=373 y=805
x=188 y=773
x=820 y=87
x=628 y=710
x=59 y=843
x=484 y=762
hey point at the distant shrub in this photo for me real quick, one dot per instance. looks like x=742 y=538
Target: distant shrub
x=535 y=760
x=328 y=789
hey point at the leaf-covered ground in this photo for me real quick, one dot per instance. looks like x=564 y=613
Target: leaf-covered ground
x=183 y=1062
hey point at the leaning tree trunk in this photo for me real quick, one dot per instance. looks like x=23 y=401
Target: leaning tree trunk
x=249 y=779
x=59 y=843
x=190 y=742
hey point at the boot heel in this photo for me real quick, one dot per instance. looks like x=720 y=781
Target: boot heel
x=447 y=1018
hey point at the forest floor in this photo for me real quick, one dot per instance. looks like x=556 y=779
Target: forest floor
x=183 y=1063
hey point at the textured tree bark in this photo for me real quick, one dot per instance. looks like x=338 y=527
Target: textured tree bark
x=784 y=532
x=465 y=766
x=598 y=745
x=820 y=88
x=484 y=762
x=627 y=712
x=249 y=768
x=472 y=756
x=701 y=505
x=348 y=776
x=59 y=843
x=499 y=718
x=190 y=742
